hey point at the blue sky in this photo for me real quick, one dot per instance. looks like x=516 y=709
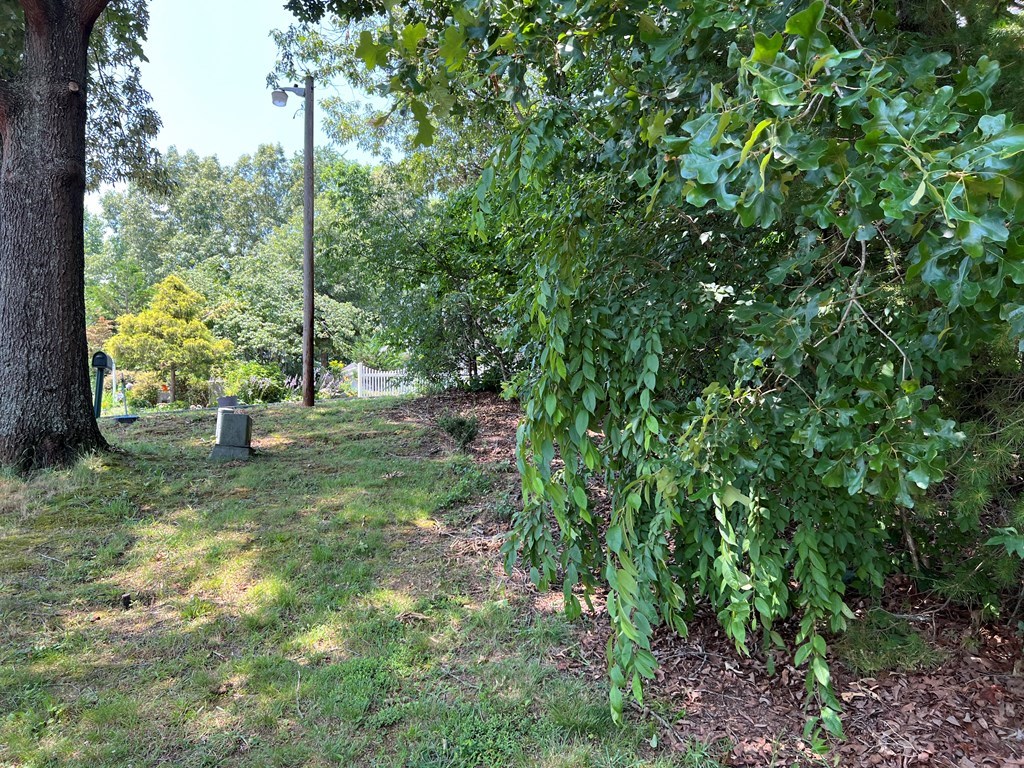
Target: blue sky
x=207 y=70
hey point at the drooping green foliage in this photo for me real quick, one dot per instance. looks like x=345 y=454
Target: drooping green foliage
x=766 y=241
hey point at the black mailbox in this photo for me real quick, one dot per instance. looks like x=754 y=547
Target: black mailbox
x=103 y=360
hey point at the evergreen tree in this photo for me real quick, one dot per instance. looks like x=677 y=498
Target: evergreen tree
x=169 y=336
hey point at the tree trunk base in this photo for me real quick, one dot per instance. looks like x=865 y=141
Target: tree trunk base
x=48 y=449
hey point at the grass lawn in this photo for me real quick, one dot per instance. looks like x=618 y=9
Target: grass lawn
x=297 y=610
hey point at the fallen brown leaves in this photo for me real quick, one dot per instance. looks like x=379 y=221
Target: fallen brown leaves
x=967 y=713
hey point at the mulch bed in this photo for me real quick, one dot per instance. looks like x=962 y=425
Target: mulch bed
x=966 y=713
x=497 y=418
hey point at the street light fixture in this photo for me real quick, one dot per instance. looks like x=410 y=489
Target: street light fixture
x=280 y=99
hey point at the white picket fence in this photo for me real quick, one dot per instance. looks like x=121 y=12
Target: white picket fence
x=373 y=383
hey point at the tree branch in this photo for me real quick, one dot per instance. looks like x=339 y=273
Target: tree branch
x=89 y=11
x=38 y=14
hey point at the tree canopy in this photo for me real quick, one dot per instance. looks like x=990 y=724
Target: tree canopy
x=122 y=123
x=233 y=233
x=767 y=242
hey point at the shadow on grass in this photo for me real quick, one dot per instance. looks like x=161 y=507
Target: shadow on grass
x=293 y=610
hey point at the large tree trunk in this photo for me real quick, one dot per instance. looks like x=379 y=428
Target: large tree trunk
x=46 y=416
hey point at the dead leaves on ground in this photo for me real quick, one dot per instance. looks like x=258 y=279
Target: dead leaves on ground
x=967 y=713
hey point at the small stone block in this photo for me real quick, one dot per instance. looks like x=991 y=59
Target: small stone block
x=229 y=401
x=230 y=453
x=233 y=429
x=234 y=435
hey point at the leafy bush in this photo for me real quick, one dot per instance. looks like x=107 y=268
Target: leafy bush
x=375 y=352
x=260 y=389
x=170 y=336
x=757 y=287
x=193 y=391
x=964 y=548
x=506 y=508
x=1010 y=540
x=488 y=381
x=145 y=387
x=462 y=429
x=255 y=382
x=334 y=382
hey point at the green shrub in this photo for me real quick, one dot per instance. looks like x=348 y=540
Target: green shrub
x=335 y=382
x=193 y=391
x=259 y=389
x=145 y=387
x=375 y=352
x=255 y=382
x=488 y=381
x=462 y=429
x=964 y=528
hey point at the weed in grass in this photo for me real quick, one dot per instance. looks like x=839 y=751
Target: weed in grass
x=462 y=429
x=700 y=755
x=588 y=718
x=349 y=689
x=388 y=716
x=881 y=642
x=545 y=631
x=506 y=508
x=465 y=483
x=196 y=607
x=461 y=734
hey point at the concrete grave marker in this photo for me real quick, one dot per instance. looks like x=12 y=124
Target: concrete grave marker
x=234 y=436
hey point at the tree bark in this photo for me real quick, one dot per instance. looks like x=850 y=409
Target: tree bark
x=46 y=416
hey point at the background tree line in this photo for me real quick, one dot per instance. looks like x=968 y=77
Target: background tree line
x=399 y=282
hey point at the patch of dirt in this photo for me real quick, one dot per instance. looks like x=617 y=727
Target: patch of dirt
x=495 y=444
x=967 y=713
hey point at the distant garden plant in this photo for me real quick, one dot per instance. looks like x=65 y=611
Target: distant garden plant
x=462 y=429
x=170 y=337
x=255 y=382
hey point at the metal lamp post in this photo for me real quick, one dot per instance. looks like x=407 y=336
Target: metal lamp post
x=280 y=99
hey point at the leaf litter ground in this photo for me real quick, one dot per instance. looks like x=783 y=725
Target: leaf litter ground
x=963 y=707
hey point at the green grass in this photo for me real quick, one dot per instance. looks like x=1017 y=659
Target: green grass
x=881 y=642
x=296 y=610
